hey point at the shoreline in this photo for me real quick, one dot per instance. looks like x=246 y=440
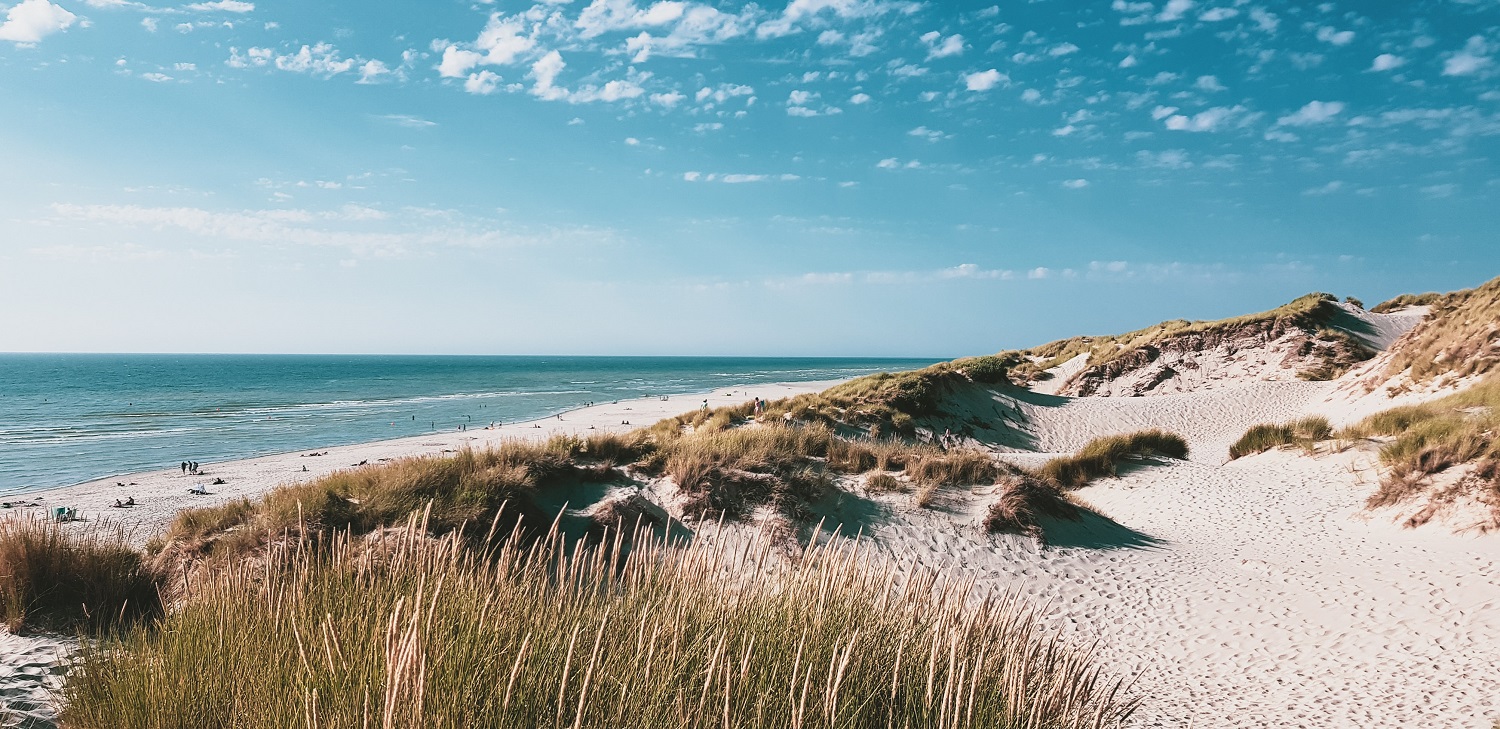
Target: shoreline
x=160 y=494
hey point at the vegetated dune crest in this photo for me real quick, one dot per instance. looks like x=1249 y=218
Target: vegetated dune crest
x=1262 y=591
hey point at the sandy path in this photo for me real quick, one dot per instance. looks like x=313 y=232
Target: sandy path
x=1251 y=595
x=160 y=494
x=1211 y=421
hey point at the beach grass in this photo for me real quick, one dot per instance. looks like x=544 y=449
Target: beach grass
x=1460 y=337
x=1428 y=439
x=69 y=577
x=1305 y=433
x=402 y=629
x=1101 y=457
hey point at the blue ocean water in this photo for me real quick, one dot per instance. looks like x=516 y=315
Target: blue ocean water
x=68 y=418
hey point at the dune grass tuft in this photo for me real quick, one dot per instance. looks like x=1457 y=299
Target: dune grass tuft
x=1023 y=501
x=1101 y=456
x=1459 y=337
x=71 y=577
x=1428 y=439
x=437 y=633
x=1304 y=433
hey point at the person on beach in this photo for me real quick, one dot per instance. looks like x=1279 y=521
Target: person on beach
x=184 y=467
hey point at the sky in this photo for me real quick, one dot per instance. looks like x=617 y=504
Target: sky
x=812 y=177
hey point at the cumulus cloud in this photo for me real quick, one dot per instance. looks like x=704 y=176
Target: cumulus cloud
x=940 y=47
x=1335 y=37
x=1314 y=112
x=984 y=80
x=799 y=12
x=1473 y=59
x=1214 y=15
x=544 y=74
x=483 y=83
x=1077 y=184
x=228 y=6
x=1207 y=120
x=32 y=20
x=1386 y=62
x=1174 y=10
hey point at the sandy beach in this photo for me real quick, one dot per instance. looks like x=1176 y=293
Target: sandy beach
x=159 y=495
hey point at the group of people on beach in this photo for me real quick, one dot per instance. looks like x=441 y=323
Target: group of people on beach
x=190 y=467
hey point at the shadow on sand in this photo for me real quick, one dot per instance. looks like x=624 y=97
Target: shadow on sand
x=1095 y=531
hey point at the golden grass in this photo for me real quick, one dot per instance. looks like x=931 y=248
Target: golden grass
x=1459 y=338
x=1304 y=433
x=1431 y=438
x=68 y=577
x=1023 y=502
x=1101 y=456
x=1102 y=350
x=415 y=631
x=1405 y=301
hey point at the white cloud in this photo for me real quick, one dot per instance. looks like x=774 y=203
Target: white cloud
x=1209 y=83
x=985 y=80
x=692 y=176
x=1039 y=272
x=371 y=71
x=483 y=83
x=1162 y=112
x=544 y=72
x=1174 y=10
x=668 y=100
x=858 y=99
x=408 y=121
x=156 y=77
x=940 y=47
x=1329 y=188
x=321 y=59
x=1204 y=121
x=604 y=16
x=1336 y=37
x=150 y=24
x=931 y=135
x=1062 y=49
x=1314 y=112
x=1129 y=61
x=30 y=21
x=1266 y=21
x=1214 y=15
x=348 y=227
x=1077 y=184
x=1469 y=61
x=1386 y=62
x=799 y=11
x=228 y=6
x=457 y=62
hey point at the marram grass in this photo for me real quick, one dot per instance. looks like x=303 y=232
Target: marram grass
x=401 y=629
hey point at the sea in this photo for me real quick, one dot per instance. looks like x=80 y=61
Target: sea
x=71 y=418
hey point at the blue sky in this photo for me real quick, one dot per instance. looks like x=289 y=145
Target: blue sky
x=812 y=177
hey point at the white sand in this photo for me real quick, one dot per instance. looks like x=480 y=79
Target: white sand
x=1254 y=593
x=160 y=494
x=1257 y=593
x=30 y=674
